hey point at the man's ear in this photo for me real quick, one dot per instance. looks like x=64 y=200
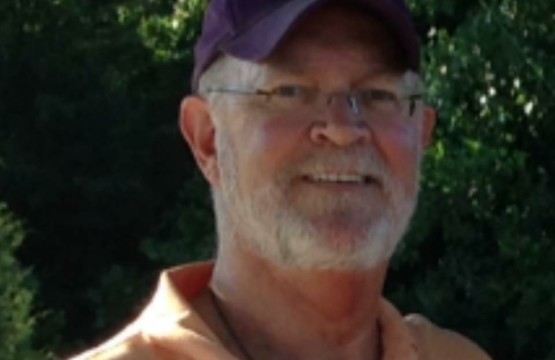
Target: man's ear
x=428 y=125
x=197 y=127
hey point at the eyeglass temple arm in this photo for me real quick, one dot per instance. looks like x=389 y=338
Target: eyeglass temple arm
x=412 y=102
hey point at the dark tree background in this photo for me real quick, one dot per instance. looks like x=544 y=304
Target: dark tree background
x=102 y=191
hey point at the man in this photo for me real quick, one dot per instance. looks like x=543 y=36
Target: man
x=309 y=125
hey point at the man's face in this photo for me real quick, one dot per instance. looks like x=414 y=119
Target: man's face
x=319 y=187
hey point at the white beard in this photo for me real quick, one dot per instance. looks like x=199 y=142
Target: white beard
x=279 y=225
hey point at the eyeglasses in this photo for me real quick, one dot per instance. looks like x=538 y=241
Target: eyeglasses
x=361 y=101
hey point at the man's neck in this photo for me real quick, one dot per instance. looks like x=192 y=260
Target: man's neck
x=281 y=313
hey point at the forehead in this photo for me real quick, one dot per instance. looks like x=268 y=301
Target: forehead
x=342 y=31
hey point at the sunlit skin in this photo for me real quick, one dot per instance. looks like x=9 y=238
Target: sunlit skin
x=287 y=313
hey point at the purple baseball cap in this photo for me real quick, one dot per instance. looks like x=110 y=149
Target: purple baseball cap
x=251 y=29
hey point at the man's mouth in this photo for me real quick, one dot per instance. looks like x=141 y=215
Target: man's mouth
x=348 y=179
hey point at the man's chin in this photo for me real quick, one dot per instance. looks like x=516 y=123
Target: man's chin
x=341 y=234
x=337 y=249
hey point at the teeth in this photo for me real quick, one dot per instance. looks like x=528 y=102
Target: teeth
x=339 y=178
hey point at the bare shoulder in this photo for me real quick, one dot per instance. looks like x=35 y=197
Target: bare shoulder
x=435 y=343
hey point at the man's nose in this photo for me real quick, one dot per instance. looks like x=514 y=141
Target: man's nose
x=342 y=123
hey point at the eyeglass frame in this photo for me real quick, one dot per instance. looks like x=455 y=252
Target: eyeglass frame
x=353 y=96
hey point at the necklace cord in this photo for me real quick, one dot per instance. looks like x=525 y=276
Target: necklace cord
x=227 y=324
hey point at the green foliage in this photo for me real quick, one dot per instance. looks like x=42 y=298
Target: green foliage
x=119 y=296
x=91 y=153
x=186 y=233
x=479 y=255
x=16 y=319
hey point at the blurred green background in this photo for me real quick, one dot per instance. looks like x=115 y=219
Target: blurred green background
x=98 y=191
